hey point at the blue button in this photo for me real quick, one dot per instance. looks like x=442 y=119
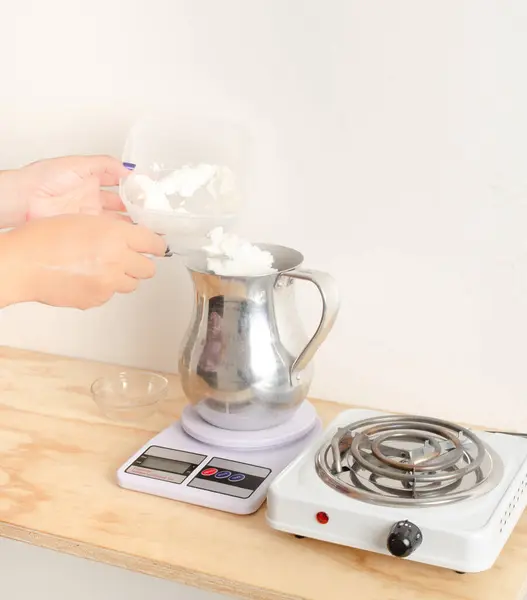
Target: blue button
x=223 y=474
x=237 y=477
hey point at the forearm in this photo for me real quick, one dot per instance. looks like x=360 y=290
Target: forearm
x=14 y=282
x=12 y=206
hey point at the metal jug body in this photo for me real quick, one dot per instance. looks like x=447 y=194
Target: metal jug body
x=245 y=363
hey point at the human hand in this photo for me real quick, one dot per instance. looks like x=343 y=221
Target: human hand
x=68 y=185
x=77 y=261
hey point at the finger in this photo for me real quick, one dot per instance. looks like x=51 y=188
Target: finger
x=126 y=284
x=112 y=214
x=144 y=240
x=108 y=169
x=139 y=266
x=111 y=201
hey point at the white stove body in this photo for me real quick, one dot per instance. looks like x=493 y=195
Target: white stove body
x=465 y=536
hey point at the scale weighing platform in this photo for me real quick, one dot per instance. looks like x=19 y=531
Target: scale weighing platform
x=198 y=463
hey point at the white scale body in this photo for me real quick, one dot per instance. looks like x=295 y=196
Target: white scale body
x=178 y=466
x=465 y=536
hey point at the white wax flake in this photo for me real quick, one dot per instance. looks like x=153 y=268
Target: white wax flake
x=152 y=194
x=230 y=255
x=184 y=182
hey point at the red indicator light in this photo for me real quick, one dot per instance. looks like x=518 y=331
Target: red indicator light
x=322 y=517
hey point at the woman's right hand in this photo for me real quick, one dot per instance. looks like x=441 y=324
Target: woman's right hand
x=77 y=261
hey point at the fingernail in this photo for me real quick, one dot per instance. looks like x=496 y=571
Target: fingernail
x=129 y=166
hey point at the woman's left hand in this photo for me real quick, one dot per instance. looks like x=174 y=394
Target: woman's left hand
x=58 y=186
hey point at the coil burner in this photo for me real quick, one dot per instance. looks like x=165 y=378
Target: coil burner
x=414 y=488
x=408 y=461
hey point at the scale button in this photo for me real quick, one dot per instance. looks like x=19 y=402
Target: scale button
x=209 y=472
x=237 y=477
x=223 y=475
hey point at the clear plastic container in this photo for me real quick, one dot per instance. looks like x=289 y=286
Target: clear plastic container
x=195 y=167
x=129 y=395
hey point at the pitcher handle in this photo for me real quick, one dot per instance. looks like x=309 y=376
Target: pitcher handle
x=327 y=287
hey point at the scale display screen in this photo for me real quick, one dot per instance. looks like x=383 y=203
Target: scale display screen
x=166 y=464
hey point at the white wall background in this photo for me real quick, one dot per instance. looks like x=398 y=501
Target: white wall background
x=389 y=146
x=389 y=141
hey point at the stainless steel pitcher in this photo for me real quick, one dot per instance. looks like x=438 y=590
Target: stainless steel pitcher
x=246 y=361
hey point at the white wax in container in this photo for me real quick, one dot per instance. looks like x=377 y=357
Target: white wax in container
x=229 y=255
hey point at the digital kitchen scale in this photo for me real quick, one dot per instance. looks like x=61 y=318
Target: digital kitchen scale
x=198 y=463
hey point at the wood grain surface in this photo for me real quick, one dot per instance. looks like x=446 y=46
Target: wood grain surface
x=58 y=458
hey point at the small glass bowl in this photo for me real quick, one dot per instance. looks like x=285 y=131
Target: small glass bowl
x=129 y=395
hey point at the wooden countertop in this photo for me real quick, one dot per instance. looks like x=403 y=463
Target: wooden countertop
x=58 y=457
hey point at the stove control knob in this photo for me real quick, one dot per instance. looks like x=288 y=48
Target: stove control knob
x=404 y=538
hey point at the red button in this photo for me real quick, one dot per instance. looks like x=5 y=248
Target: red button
x=322 y=518
x=209 y=472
